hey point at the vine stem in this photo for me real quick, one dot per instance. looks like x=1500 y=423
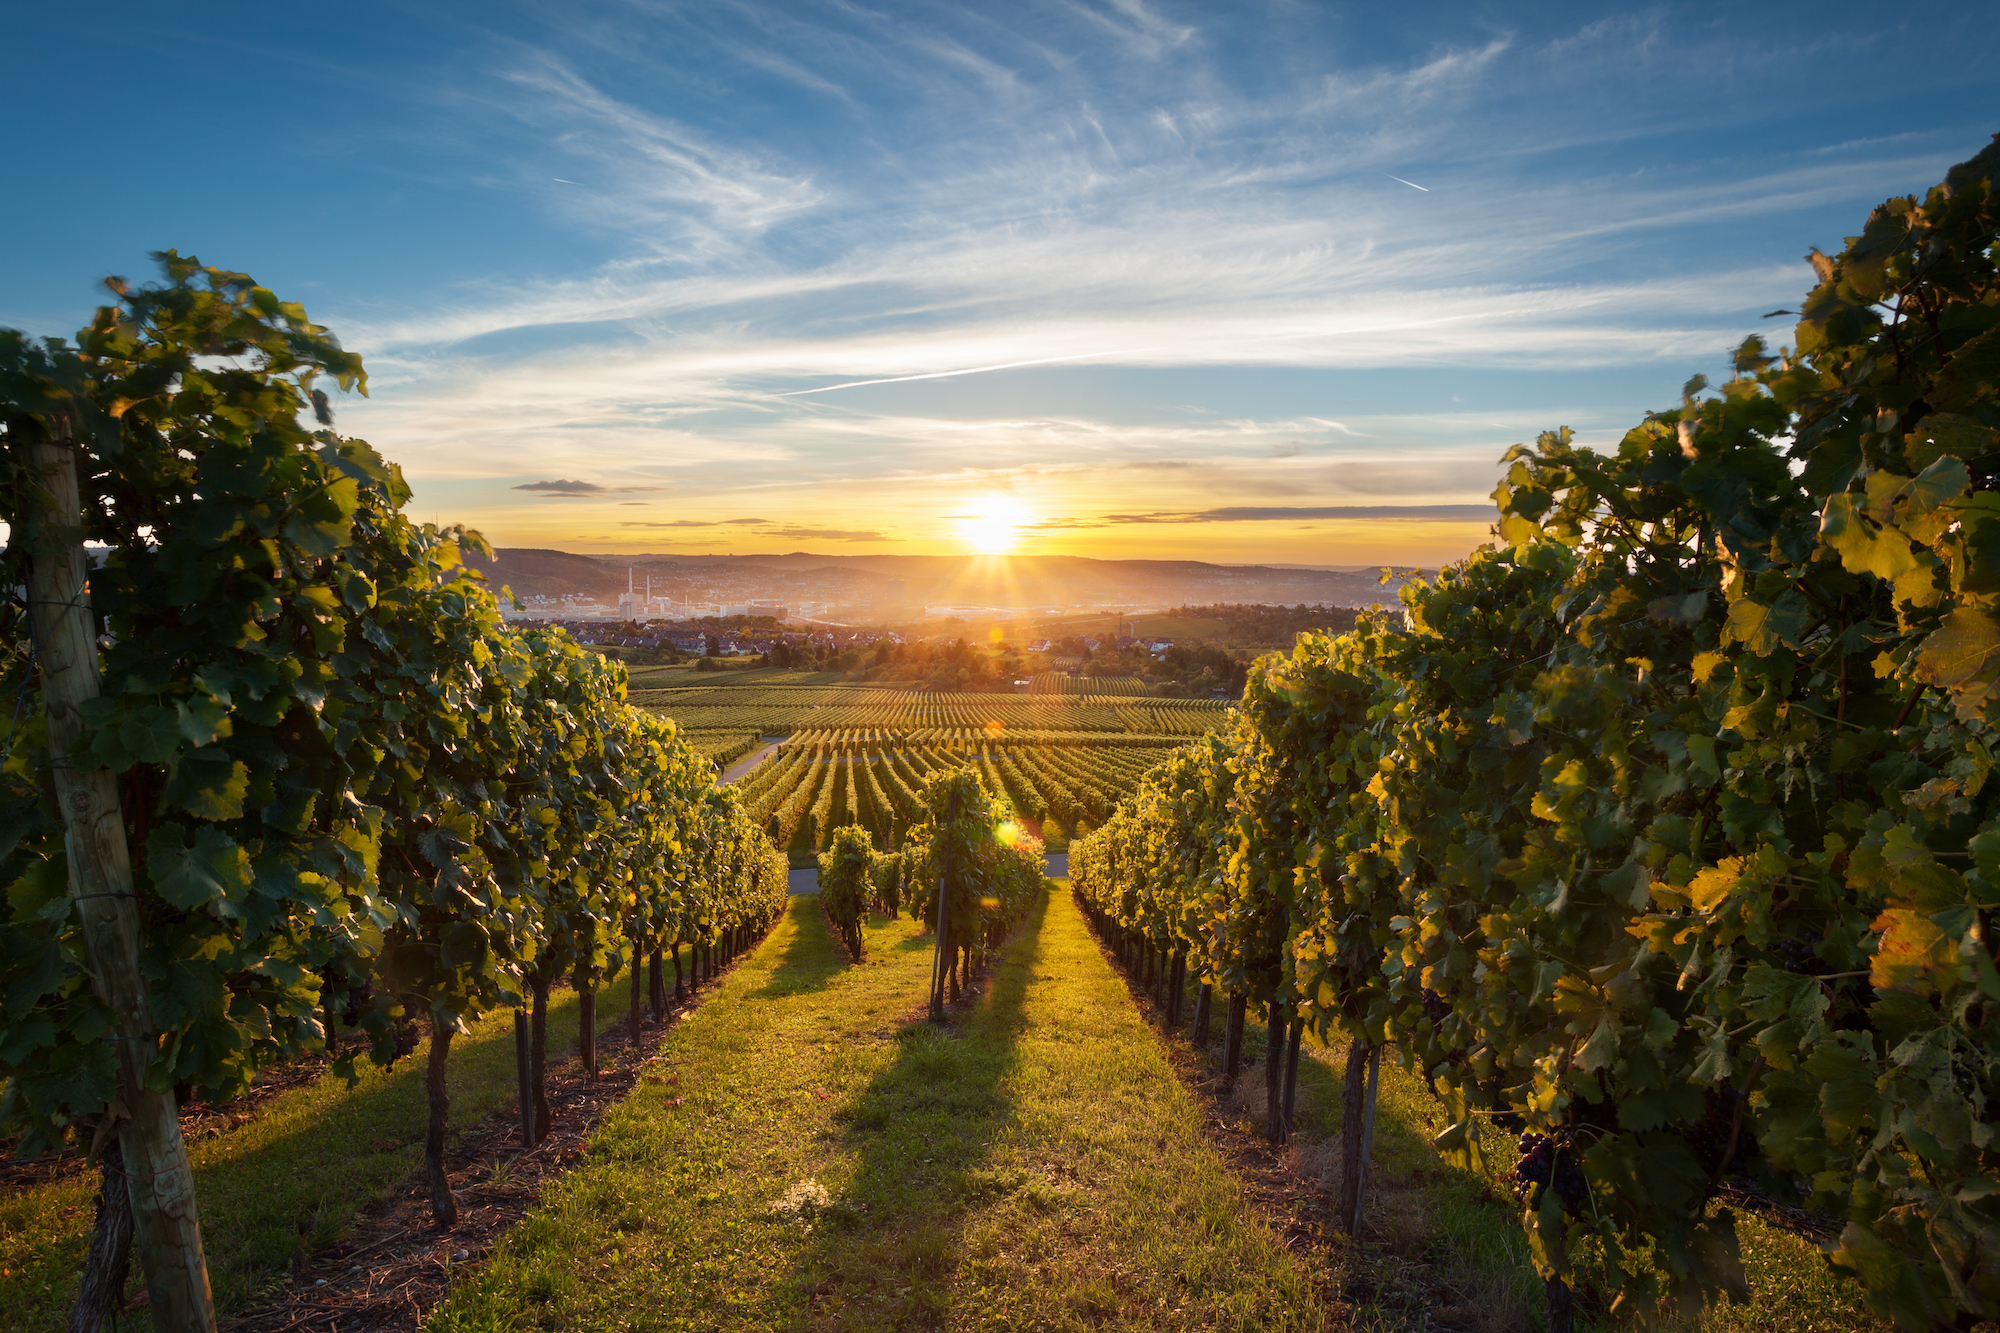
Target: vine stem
x=1908 y=704
x=1736 y=1123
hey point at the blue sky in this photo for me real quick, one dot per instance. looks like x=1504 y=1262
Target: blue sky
x=638 y=248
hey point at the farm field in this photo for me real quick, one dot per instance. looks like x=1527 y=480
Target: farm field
x=860 y=754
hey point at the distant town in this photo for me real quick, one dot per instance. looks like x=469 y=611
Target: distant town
x=811 y=591
x=1172 y=628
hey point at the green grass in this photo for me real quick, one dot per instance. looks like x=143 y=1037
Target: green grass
x=817 y=1156
x=288 y=1182
x=1444 y=1247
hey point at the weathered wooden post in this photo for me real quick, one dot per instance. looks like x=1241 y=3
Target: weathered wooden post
x=166 y=1226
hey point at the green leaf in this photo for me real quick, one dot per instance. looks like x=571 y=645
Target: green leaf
x=209 y=869
x=1602 y=1048
x=202 y=720
x=1943 y=433
x=208 y=784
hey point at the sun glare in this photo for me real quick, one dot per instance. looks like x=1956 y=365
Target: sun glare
x=992 y=523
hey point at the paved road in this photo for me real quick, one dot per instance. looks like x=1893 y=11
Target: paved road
x=748 y=762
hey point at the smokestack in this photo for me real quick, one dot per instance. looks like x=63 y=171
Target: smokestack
x=628 y=580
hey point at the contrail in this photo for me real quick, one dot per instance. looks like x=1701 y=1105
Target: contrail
x=970 y=370
x=558 y=178
x=1412 y=184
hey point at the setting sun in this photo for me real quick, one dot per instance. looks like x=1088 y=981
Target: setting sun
x=991 y=524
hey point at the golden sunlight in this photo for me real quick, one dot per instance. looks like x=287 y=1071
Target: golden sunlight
x=991 y=524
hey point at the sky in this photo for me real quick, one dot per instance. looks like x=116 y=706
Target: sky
x=1248 y=282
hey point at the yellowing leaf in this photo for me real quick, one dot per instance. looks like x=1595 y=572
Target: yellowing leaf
x=1914 y=954
x=1962 y=650
x=1864 y=548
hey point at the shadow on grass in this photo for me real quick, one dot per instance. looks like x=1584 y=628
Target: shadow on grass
x=807 y=963
x=886 y=1251
x=293 y=1179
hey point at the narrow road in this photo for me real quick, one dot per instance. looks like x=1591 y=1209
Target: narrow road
x=749 y=761
x=809 y=1153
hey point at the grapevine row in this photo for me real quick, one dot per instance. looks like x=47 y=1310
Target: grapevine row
x=353 y=798
x=1662 y=836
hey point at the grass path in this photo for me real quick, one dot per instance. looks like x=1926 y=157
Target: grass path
x=808 y=1154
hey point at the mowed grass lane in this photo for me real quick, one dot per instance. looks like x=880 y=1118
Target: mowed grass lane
x=808 y=1153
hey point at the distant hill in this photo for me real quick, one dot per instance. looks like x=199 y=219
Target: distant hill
x=530 y=572
x=1033 y=583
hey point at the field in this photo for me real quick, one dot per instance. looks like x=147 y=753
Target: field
x=859 y=754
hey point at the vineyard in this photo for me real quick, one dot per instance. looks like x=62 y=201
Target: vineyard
x=1653 y=846
x=780 y=710
x=1062 y=682
x=277 y=773
x=860 y=755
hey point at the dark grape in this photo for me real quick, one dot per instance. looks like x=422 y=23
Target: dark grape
x=1570 y=1186
x=1534 y=1167
x=358 y=996
x=1796 y=954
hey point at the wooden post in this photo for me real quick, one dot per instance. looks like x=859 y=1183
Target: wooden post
x=632 y=972
x=943 y=958
x=1292 y=1069
x=538 y=1057
x=444 y=1208
x=166 y=1226
x=523 y=1087
x=1201 y=1015
x=1357 y=1131
x=586 y=1028
x=1232 y=1039
x=1274 y=1065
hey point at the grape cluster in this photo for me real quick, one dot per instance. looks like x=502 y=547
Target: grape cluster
x=1543 y=1162
x=358 y=996
x=406 y=1039
x=1797 y=956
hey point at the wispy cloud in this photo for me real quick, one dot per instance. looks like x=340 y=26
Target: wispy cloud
x=822 y=225
x=580 y=490
x=1265 y=514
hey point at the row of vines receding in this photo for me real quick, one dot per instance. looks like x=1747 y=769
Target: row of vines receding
x=354 y=799
x=1662 y=834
